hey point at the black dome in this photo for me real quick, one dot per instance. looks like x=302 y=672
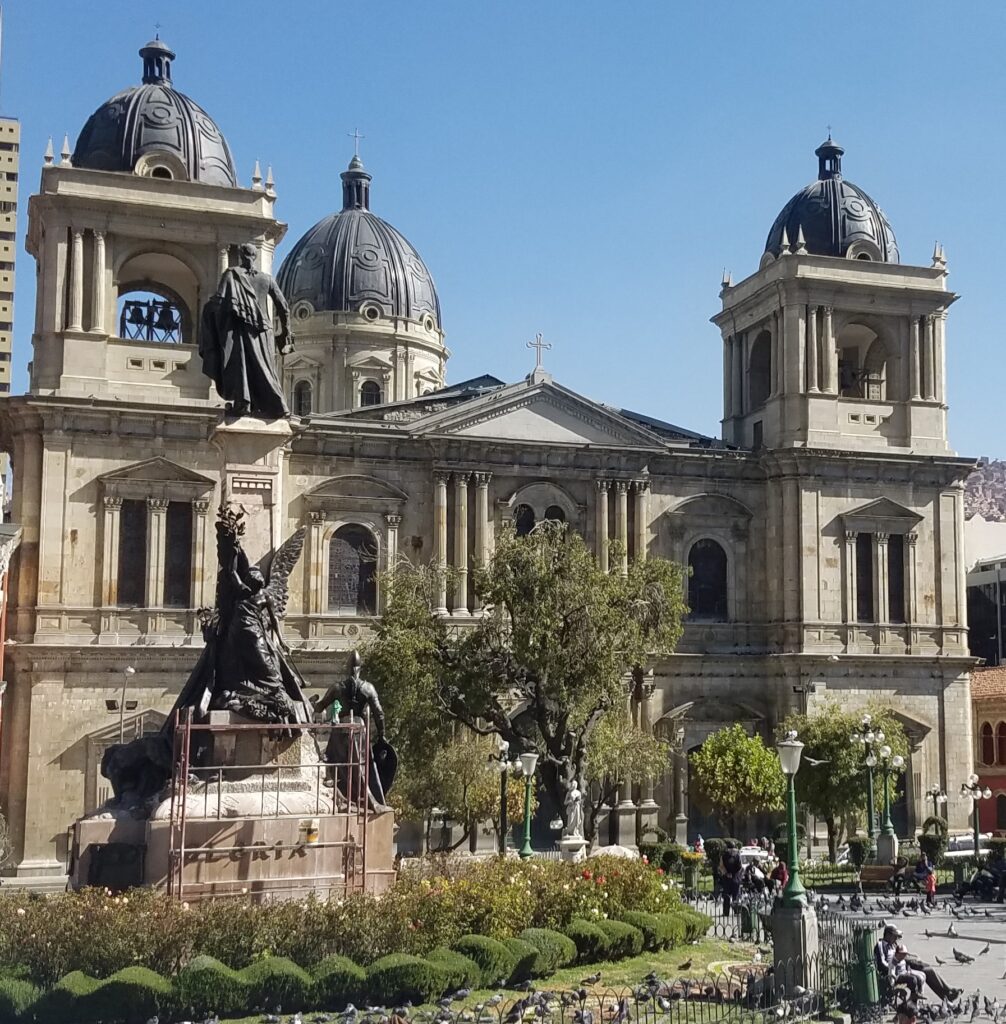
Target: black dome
x=353 y=260
x=836 y=217
x=153 y=119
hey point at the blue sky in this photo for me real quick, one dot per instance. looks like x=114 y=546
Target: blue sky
x=582 y=169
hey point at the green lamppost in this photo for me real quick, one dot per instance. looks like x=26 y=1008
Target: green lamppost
x=938 y=797
x=973 y=789
x=528 y=763
x=866 y=738
x=789 y=750
x=888 y=766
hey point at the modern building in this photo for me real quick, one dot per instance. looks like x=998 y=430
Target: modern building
x=823 y=530
x=988 y=698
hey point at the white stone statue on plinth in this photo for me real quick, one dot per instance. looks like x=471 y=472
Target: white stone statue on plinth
x=574 y=812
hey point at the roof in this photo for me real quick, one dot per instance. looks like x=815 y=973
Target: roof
x=985 y=492
x=988 y=684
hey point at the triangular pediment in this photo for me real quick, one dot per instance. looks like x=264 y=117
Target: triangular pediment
x=539 y=413
x=355 y=487
x=371 y=363
x=156 y=470
x=884 y=508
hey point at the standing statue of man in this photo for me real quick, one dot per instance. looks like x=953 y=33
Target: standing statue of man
x=237 y=342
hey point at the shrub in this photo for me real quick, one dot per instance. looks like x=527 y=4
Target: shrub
x=591 y=943
x=525 y=959
x=623 y=939
x=209 y=986
x=401 y=976
x=674 y=926
x=860 y=848
x=67 y=1000
x=132 y=994
x=17 y=997
x=277 y=981
x=654 y=931
x=337 y=981
x=694 y=923
x=459 y=970
x=495 y=961
x=555 y=950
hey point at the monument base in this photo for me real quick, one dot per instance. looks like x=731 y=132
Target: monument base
x=795 y=948
x=573 y=849
x=887 y=849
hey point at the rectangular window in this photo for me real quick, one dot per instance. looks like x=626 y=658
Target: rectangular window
x=132 y=583
x=178 y=556
x=864 y=577
x=896 y=577
x=757 y=435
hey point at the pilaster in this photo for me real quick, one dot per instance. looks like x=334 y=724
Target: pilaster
x=157 y=514
x=440 y=533
x=622 y=524
x=460 y=544
x=602 y=523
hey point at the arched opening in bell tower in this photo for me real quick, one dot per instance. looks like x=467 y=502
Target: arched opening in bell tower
x=760 y=370
x=156 y=294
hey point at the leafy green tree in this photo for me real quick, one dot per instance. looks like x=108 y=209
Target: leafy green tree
x=835 y=788
x=556 y=643
x=736 y=774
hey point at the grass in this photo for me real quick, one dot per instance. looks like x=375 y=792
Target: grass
x=708 y=955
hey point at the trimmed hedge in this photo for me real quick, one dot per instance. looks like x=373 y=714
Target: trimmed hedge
x=696 y=923
x=401 y=977
x=276 y=981
x=17 y=996
x=337 y=981
x=555 y=950
x=591 y=943
x=460 y=971
x=132 y=994
x=68 y=1000
x=525 y=959
x=209 y=986
x=656 y=933
x=624 y=940
x=495 y=961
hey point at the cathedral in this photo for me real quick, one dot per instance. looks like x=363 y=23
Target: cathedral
x=823 y=530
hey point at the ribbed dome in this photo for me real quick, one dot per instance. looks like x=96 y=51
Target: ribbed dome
x=835 y=217
x=354 y=262
x=152 y=120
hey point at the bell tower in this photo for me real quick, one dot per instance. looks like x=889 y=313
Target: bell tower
x=833 y=343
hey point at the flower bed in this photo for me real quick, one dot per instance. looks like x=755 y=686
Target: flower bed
x=70 y=957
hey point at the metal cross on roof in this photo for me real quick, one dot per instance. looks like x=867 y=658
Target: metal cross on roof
x=538 y=345
x=356 y=136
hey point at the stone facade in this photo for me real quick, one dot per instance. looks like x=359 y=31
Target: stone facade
x=832 y=522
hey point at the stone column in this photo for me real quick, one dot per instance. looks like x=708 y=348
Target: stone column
x=440 y=532
x=849 y=604
x=776 y=357
x=728 y=373
x=482 y=553
x=602 y=523
x=881 y=591
x=642 y=493
x=315 y=571
x=112 y=508
x=98 y=284
x=648 y=808
x=622 y=524
x=830 y=352
x=461 y=544
x=940 y=354
x=911 y=594
x=201 y=571
x=812 y=350
x=157 y=514
x=914 y=365
x=736 y=375
x=223 y=259
x=76 y=282
x=392 y=522
x=929 y=361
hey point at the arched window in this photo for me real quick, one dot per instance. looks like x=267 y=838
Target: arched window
x=760 y=370
x=1001 y=811
x=707 y=584
x=303 y=398
x=523 y=517
x=988 y=744
x=145 y=315
x=1001 y=743
x=555 y=514
x=370 y=393
x=352 y=571
x=875 y=372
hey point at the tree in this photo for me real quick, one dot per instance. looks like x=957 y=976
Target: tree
x=556 y=643
x=836 y=788
x=736 y=774
x=618 y=753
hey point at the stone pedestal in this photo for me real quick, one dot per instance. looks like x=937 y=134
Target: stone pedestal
x=681 y=830
x=573 y=848
x=887 y=849
x=795 y=948
x=647 y=815
x=251 y=476
x=625 y=824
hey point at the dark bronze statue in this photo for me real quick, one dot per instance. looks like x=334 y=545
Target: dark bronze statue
x=352 y=700
x=237 y=342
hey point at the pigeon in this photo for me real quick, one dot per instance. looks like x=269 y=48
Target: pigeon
x=962 y=958
x=154 y=1020
x=952 y=931
x=686 y=966
x=271 y=1018
x=939 y=961
x=461 y=994
x=813 y=761
x=591 y=979
x=982 y=952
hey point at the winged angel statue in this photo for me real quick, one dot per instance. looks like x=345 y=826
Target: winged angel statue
x=245 y=666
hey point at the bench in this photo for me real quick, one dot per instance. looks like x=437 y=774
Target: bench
x=876 y=874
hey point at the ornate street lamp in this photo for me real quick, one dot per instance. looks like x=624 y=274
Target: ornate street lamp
x=973 y=789
x=866 y=739
x=938 y=797
x=888 y=766
x=528 y=763
x=502 y=766
x=789 y=750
